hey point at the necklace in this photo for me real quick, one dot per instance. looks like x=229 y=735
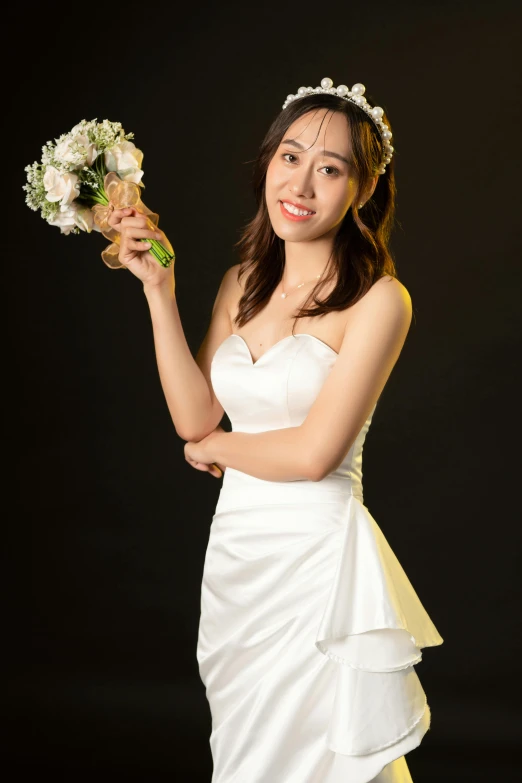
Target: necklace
x=285 y=294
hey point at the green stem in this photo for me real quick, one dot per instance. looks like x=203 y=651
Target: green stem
x=96 y=199
x=163 y=256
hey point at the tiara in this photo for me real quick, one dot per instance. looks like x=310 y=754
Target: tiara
x=355 y=95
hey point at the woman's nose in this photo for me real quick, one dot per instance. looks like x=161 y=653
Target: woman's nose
x=300 y=183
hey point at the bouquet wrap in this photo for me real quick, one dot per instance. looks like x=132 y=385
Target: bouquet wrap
x=121 y=194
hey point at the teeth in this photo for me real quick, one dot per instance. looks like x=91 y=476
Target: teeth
x=295 y=210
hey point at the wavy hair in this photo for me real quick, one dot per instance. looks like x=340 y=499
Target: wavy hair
x=360 y=253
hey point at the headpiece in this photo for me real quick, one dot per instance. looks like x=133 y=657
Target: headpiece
x=355 y=95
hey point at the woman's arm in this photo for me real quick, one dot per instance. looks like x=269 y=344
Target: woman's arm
x=186 y=383
x=371 y=345
x=194 y=409
x=277 y=455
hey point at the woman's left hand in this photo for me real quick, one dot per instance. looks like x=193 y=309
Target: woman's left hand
x=200 y=455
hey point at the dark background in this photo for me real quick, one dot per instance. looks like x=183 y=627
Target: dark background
x=106 y=524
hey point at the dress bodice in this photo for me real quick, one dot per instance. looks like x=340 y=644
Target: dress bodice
x=278 y=390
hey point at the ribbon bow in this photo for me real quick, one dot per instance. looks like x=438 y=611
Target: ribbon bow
x=121 y=194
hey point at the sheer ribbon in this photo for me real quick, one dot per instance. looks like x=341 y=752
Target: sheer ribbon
x=121 y=194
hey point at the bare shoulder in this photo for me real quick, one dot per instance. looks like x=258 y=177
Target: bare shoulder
x=234 y=287
x=231 y=283
x=385 y=312
x=231 y=274
x=227 y=288
x=388 y=296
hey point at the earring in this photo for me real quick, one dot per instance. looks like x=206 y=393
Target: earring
x=360 y=206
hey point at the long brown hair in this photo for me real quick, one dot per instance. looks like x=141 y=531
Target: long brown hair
x=360 y=254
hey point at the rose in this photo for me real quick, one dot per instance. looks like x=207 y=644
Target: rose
x=76 y=149
x=84 y=219
x=125 y=159
x=60 y=186
x=65 y=219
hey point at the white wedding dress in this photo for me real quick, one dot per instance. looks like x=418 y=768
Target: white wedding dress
x=309 y=628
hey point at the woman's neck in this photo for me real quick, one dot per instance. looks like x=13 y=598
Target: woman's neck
x=305 y=260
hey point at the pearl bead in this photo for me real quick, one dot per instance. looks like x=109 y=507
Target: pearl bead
x=357 y=99
x=377 y=112
x=386 y=135
x=301 y=91
x=326 y=83
x=342 y=90
x=289 y=97
x=358 y=89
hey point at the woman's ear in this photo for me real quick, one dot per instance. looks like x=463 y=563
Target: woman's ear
x=374 y=182
x=368 y=191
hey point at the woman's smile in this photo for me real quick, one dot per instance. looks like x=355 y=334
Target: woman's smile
x=292 y=211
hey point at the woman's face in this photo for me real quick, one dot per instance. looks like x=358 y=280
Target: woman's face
x=311 y=172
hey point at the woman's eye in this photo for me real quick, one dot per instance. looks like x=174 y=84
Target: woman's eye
x=333 y=170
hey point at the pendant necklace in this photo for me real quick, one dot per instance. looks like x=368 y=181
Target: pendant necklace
x=285 y=294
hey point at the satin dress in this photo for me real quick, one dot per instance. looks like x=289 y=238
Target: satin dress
x=309 y=629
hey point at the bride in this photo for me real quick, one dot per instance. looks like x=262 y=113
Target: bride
x=309 y=628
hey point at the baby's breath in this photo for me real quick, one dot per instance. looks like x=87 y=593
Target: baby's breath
x=35 y=191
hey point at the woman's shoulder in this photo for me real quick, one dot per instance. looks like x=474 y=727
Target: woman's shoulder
x=231 y=281
x=387 y=298
x=231 y=287
x=389 y=288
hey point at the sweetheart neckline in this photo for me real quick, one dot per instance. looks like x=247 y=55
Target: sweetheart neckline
x=275 y=345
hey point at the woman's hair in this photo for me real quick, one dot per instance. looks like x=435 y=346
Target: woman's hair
x=360 y=253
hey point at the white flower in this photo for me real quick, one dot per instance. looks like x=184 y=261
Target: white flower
x=65 y=219
x=60 y=186
x=125 y=159
x=76 y=148
x=84 y=219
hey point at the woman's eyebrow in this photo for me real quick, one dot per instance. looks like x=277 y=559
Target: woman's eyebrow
x=326 y=153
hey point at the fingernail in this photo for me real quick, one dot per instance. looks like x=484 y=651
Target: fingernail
x=146 y=244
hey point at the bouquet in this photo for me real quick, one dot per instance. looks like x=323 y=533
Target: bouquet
x=83 y=176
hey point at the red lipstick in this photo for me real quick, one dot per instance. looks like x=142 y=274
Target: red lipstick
x=290 y=215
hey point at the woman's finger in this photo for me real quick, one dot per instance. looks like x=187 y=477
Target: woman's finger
x=136 y=244
x=141 y=233
x=200 y=466
x=117 y=216
x=135 y=221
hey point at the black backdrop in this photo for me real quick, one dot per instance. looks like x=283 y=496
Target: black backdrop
x=106 y=524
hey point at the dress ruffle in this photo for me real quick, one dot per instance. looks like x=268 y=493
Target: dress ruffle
x=374 y=627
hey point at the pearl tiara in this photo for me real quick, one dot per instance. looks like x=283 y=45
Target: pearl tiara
x=355 y=95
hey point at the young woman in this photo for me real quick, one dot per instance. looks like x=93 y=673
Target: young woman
x=309 y=628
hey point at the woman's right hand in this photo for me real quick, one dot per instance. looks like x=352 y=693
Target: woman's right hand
x=214 y=469
x=133 y=226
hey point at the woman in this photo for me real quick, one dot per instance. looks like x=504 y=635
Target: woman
x=309 y=628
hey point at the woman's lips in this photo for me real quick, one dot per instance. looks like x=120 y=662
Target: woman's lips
x=291 y=216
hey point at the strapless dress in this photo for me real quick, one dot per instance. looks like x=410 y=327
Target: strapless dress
x=309 y=629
